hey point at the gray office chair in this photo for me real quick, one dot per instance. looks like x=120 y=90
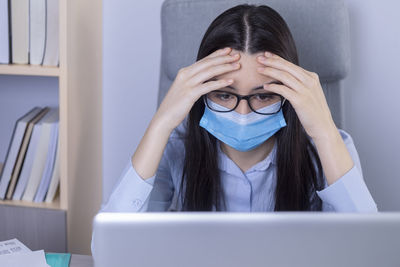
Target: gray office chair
x=320 y=29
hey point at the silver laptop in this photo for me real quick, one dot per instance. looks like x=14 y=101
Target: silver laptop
x=208 y=239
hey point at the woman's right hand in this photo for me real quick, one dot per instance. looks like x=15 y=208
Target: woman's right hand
x=189 y=85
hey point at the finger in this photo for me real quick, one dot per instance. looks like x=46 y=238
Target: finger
x=282 y=90
x=207 y=63
x=219 y=52
x=282 y=76
x=211 y=86
x=213 y=71
x=282 y=64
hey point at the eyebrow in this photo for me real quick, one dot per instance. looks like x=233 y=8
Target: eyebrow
x=255 y=88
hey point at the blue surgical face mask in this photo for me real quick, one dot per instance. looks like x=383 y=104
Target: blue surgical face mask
x=243 y=132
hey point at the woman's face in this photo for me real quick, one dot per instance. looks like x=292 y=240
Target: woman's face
x=246 y=78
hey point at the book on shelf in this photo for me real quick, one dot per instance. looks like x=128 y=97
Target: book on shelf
x=20 y=31
x=29 y=32
x=13 y=149
x=50 y=159
x=39 y=162
x=51 y=55
x=28 y=161
x=31 y=169
x=55 y=177
x=37 y=21
x=21 y=153
x=4 y=33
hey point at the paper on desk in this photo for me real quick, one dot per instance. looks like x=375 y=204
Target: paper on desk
x=12 y=246
x=31 y=259
x=15 y=254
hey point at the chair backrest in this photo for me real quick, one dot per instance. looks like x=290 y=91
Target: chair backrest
x=320 y=29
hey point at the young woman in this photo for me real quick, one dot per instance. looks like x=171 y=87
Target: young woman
x=244 y=128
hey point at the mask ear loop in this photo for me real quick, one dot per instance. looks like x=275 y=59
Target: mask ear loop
x=205 y=101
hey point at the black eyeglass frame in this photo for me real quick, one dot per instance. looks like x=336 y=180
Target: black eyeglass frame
x=247 y=98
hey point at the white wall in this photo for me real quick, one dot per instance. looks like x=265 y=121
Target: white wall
x=131 y=71
x=373 y=94
x=131 y=62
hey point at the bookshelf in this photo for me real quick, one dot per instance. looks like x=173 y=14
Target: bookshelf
x=80 y=106
x=54 y=205
x=29 y=70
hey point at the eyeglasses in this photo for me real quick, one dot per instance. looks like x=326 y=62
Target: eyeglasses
x=262 y=103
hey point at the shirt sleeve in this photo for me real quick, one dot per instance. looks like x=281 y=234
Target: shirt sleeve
x=349 y=193
x=131 y=193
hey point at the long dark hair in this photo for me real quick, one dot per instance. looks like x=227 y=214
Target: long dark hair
x=251 y=29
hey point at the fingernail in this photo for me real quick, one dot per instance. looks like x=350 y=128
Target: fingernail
x=262 y=58
x=235 y=64
x=268 y=54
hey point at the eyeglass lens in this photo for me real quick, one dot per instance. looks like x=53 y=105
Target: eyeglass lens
x=229 y=101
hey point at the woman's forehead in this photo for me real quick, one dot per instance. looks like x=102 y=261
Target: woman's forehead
x=247 y=75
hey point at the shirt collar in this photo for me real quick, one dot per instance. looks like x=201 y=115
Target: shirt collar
x=227 y=165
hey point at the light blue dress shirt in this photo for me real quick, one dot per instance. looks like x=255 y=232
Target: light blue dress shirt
x=250 y=191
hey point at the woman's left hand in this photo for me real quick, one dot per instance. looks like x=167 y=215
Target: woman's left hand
x=303 y=90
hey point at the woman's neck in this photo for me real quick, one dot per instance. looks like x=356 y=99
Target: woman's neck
x=246 y=159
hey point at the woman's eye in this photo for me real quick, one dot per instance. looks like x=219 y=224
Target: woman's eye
x=224 y=96
x=264 y=97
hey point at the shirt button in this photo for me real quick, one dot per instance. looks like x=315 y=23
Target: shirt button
x=137 y=202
